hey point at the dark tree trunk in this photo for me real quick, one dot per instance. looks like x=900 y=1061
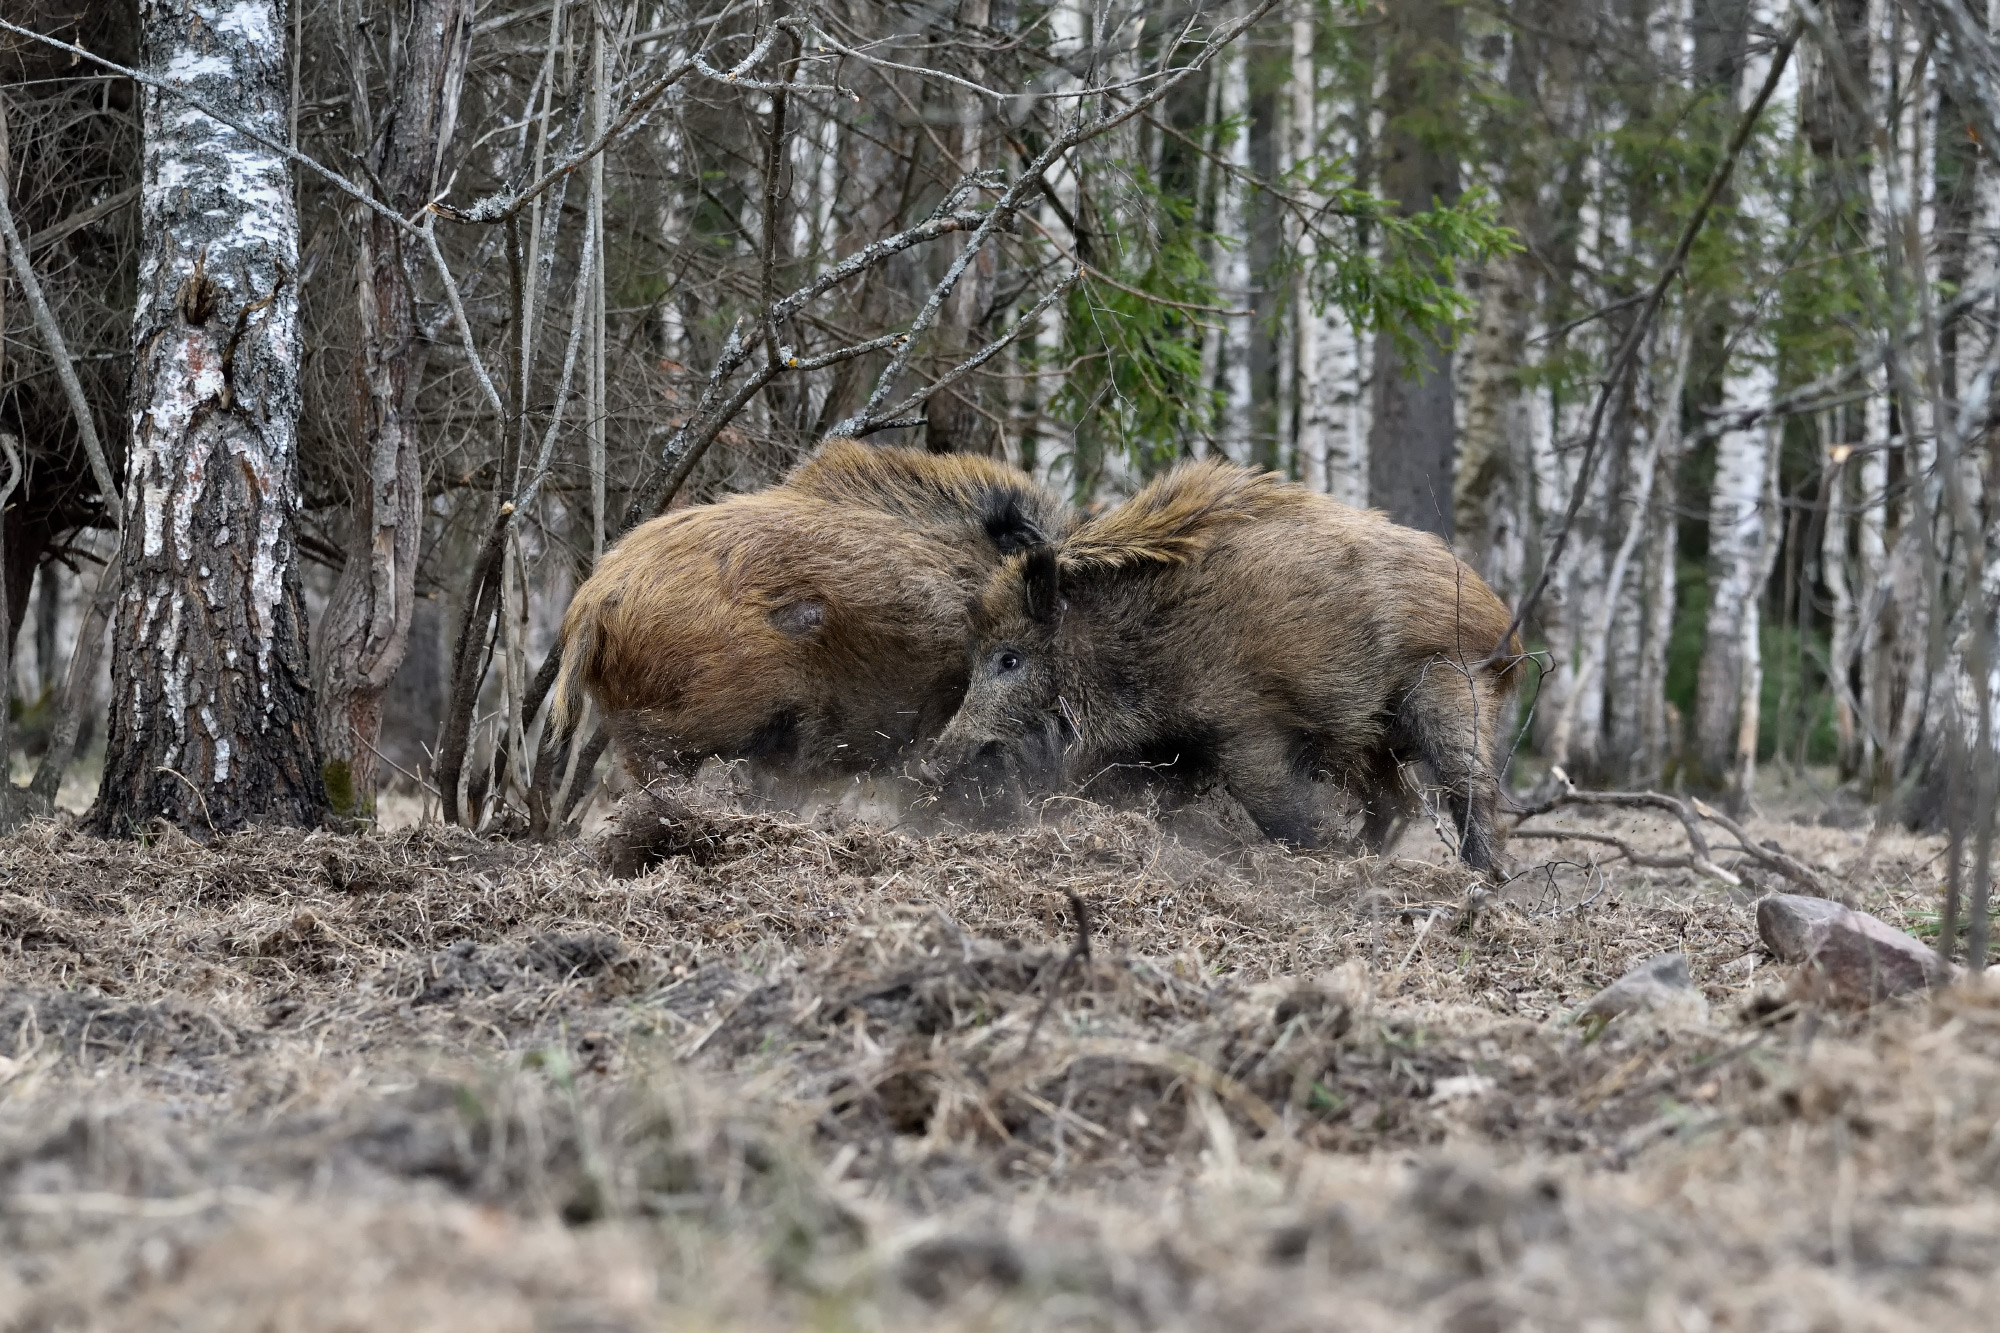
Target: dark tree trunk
x=1413 y=441
x=366 y=627
x=211 y=723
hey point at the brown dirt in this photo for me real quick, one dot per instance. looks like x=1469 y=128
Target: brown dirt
x=813 y=1075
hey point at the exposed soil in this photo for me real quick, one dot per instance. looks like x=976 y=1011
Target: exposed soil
x=785 y=1074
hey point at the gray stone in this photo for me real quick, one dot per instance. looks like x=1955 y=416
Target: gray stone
x=1660 y=983
x=1845 y=956
x=1786 y=922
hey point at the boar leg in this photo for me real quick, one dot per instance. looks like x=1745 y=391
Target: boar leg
x=1451 y=725
x=1388 y=801
x=1263 y=772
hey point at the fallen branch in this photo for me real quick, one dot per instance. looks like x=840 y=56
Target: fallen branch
x=1691 y=813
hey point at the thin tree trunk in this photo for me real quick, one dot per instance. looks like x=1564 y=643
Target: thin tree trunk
x=1836 y=537
x=1875 y=641
x=365 y=629
x=1738 y=531
x=1743 y=526
x=954 y=421
x=1494 y=469
x=1233 y=275
x=1413 y=447
x=1659 y=723
x=78 y=681
x=1315 y=424
x=1596 y=638
x=211 y=723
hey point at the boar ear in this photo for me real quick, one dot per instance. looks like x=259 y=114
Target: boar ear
x=1009 y=528
x=1041 y=590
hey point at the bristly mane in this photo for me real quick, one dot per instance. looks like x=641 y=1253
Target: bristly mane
x=916 y=485
x=1173 y=519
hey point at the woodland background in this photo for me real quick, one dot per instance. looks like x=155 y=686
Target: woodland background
x=1677 y=319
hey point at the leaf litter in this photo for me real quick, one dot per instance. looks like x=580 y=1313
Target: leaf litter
x=724 y=1068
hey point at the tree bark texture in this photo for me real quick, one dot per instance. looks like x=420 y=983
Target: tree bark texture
x=365 y=629
x=1744 y=523
x=1233 y=280
x=1412 y=445
x=211 y=724
x=1495 y=463
x=1737 y=536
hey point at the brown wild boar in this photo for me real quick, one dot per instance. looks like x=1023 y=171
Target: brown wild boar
x=816 y=627
x=1229 y=620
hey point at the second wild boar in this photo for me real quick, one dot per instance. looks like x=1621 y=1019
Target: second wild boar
x=1229 y=620
x=815 y=627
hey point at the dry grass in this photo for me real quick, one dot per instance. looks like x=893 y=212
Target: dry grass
x=824 y=1075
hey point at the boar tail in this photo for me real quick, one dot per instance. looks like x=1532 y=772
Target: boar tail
x=582 y=641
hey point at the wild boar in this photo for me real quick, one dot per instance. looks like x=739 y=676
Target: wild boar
x=1228 y=619
x=816 y=627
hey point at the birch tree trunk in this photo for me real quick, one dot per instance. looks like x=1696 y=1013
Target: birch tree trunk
x=1835 y=539
x=1331 y=372
x=1412 y=445
x=1313 y=424
x=211 y=714
x=1730 y=672
x=1743 y=525
x=1233 y=267
x=365 y=629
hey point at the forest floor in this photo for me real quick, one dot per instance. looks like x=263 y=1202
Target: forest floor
x=821 y=1075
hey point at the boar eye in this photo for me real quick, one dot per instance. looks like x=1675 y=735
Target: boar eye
x=1008 y=661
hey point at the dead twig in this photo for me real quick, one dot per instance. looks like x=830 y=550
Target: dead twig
x=1691 y=813
x=1079 y=952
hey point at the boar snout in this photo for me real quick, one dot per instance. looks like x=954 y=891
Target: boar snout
x=959 y=752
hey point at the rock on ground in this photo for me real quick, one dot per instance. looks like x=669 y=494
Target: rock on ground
x=1845 y=956
x=1661 y=983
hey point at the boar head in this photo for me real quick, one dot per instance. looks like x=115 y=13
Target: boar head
x=1012 y=722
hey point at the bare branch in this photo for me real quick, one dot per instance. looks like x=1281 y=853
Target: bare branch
x=1690 y=813
x=1016 y=196
x=52 y=341
x=1023 y=325
x=1626 y=356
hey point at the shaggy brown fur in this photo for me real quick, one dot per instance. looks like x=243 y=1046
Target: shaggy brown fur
x=819 y=625
x=1229 y=619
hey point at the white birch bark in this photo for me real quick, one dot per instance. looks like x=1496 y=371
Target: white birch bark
x=1738 y=529
x=1333 y=397
x=1913 y=217
x=1660 y=729
x=211 y=721
x=1312 y=425
x=1836 y=536
x=1344 y=397
x=1743 y=525
x=1233 y=270
x=1563 y=605
x=1581 y=710
x=1874 y=641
